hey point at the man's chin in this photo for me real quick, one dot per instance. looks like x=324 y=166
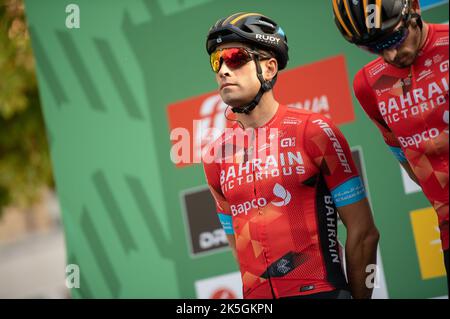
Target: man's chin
x=404 y=63
x=233 y=102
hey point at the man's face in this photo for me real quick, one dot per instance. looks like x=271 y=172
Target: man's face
x=237 y=86
x=404 y=55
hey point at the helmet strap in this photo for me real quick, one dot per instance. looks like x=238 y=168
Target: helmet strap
x=265 y=86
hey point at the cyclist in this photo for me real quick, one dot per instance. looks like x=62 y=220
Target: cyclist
x=405 y=90
x=279 y=190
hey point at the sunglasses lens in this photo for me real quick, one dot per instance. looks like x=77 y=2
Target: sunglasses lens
x=233 y=57
x=394 y=40
x=215 y=61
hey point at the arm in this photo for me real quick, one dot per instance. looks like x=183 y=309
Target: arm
x=329 y=149
x=232 y=242
x=410 y=172
x=222 y=205
x=360 y=247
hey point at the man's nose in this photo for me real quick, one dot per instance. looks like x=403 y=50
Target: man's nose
x=224 y=70
x=389 y=54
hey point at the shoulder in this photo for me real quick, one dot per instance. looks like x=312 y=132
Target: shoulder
x=293 y=111
x=439 y=35
x=440 y=28
x=370 y=73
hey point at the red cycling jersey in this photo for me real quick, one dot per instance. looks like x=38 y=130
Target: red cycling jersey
x=278 y=193
x=410 y=108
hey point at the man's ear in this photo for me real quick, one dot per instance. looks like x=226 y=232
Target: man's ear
x=271 y=68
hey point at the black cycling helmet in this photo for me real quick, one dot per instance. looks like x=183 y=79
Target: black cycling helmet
x=365 y=21
x=253 y=29
x=257 y=31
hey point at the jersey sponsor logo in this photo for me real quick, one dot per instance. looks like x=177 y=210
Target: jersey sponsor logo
x=287 y=142
x=428 y=63
x=377 y=68
x=414 y=102
x=333 y=245
x=287 y=163
x=291 y=120
x=443 y=41
x=283 y=194
x=417 y=139
x=279 y=191
x=349 y=192
x=336 y=145
x=424 y=74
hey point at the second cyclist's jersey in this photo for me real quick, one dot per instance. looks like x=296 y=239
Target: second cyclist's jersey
x=410 y=108
x=277 y=193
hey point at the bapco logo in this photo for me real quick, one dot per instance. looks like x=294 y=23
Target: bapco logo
x=282 y=193
x=278 y=190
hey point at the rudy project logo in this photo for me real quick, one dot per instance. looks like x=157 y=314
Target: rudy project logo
x=267 y=39
x=279 y=191
x=325 y=90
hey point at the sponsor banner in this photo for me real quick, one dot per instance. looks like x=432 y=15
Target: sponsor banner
x=204 y=231
x=227 y=286
x=428 y=243
x=321 y=87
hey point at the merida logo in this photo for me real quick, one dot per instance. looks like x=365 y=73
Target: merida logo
x=278 y=190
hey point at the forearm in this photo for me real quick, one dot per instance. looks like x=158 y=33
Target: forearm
x=232 y=243
x=360 y=251
x=410 y=172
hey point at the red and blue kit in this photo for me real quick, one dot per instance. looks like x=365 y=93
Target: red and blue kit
x=410 y=108
x=278 y=192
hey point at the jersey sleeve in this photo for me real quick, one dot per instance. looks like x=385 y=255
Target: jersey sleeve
x=329 y=150
x=368 y=101
x=212 y=173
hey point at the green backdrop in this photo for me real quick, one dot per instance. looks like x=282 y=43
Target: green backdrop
x=104 y=89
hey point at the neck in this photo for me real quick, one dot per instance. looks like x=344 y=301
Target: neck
x=261 y=114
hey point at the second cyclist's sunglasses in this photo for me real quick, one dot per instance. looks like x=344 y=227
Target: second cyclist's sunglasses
x=392 y=41
x=233 y=57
